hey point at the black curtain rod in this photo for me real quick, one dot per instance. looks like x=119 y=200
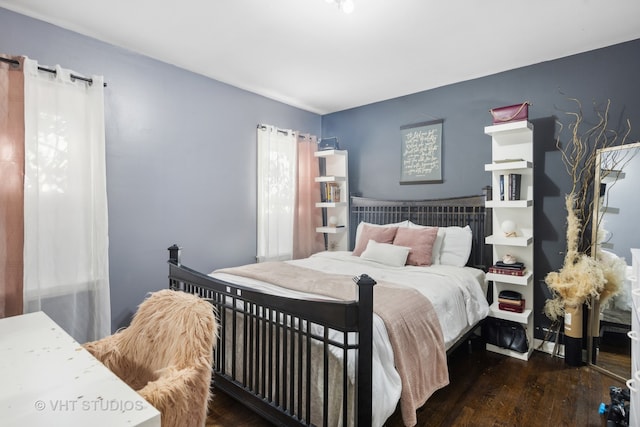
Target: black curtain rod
x=264 y=127
x=286 y=132
x=52 y=71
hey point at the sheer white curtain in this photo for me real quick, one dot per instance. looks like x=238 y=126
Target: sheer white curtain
x=277 y=176
x=287 y=195
x=66 y=269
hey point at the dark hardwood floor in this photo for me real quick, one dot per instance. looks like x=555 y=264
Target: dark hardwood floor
x=615 y=353
x=487 y=389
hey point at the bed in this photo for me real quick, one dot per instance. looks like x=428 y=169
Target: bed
x=301 y=344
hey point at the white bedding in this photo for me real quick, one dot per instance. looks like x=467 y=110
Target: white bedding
x=457 y=294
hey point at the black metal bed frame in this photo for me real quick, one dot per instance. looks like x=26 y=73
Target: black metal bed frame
x=268 y=345
x=453 y=211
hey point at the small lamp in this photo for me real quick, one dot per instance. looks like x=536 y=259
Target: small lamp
x=508 y=228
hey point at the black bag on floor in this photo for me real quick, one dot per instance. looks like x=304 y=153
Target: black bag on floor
x=505 y=334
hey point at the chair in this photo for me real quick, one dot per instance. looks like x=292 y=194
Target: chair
x=166 y=355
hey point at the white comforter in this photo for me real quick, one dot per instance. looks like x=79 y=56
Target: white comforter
x=457 y=294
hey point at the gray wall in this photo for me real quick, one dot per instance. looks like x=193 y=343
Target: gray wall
x=372 y=136
x=180 y=157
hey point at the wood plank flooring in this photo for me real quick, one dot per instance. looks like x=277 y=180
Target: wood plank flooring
x=487 y=389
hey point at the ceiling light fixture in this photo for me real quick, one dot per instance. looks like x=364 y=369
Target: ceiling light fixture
x=346 y=6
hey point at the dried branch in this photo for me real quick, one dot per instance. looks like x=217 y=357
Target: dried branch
x=579 y=156
x=583 y=277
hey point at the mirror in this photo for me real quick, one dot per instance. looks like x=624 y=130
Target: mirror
x=617 y=209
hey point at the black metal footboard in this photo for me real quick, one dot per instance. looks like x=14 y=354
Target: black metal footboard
x=286 y=358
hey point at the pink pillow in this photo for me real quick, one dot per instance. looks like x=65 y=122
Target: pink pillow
x=379 y=234
x=420 y=240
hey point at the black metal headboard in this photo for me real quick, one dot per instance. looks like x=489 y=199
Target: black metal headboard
x=453 y=211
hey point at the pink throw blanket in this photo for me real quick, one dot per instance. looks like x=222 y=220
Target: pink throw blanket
x=409 y=317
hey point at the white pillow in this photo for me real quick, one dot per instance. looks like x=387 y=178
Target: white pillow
x=437 y=245
x=386 y=253
x=362 y=224
x=456 y=246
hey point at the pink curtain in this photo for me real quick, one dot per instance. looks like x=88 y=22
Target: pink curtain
x=11 y=186
x=307 y=217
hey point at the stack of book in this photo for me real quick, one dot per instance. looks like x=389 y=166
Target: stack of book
x=330 y=192
x=514 y=269
x=510 y=186
x=511 y=301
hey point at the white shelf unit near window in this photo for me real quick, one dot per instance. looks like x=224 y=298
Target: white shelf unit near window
x=512 y=153
x=334 y=167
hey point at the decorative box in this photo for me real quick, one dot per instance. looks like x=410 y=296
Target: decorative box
x=513 y=307
x=328 y=144
x=510 y=113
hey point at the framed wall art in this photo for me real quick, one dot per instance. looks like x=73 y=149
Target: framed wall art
x=421 y=153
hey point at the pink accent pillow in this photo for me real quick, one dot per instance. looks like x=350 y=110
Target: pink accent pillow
x=379 y=234
x=420 y=240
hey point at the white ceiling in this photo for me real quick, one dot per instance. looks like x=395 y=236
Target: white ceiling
x=308 y=54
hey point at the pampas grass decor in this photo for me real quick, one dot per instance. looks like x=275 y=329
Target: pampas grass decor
x=581 y=276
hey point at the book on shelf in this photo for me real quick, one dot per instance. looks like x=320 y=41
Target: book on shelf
x=510 y=295
x=515 y=180
x=513 y=265
x=510 y=186
x=511 y=307
x=508 y=271
x=331 y=192
x=516 y=303
x=335 y=188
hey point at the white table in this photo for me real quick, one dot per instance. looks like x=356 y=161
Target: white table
x=47 y=378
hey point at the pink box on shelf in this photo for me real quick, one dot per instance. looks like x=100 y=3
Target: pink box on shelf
x=510 y=113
